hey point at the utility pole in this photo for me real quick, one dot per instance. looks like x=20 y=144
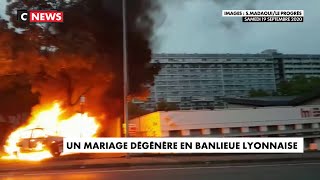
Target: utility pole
x=82 y=103
x=125 y=70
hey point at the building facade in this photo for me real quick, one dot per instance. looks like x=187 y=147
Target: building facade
x=292 y=65
x=199 y=81
x=289 y=65
x=302 y=121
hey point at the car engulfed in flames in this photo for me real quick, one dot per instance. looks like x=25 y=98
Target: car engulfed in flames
x=37 y=140
x=42 y=137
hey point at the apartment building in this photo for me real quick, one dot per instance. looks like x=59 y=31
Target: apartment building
x=199 y=81
x=290 y=65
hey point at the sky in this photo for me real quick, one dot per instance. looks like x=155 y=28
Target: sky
x=2 y=8
x=196 y=26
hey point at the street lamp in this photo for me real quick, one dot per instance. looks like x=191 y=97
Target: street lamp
x=125 y=69
x=82 y=102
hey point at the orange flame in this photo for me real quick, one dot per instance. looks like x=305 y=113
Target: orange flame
x=48 y=118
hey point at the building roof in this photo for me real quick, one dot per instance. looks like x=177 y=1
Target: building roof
x=238 y=55
x=275 y=100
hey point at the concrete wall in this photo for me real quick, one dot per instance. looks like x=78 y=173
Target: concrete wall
x=262 y=122
x=234 y=106
x=313 y=102
x=177 y=120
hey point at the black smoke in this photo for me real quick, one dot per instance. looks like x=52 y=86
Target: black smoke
x=231 y=24
x=86 y=52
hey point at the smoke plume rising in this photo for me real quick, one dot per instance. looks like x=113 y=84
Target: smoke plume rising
x=83 y=55
x=230 y=24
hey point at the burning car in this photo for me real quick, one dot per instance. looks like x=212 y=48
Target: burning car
x=42 y=136
x=37 y=139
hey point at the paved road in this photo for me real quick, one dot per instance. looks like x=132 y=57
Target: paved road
x=301 y=171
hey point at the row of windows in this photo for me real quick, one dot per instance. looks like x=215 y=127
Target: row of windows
x=215 y=71
x=302 y=62
x=224 y=65
x=210 y=88
x=205 y=94
x=204 y=82
x=239 y=130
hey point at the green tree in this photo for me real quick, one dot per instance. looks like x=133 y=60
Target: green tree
x=284 y=88
x=258 y=93
x=298 y=85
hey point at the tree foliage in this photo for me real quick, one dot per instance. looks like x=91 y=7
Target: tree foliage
x=298 y=85
x=258 y=93
x=16 y=96
x=83 y=55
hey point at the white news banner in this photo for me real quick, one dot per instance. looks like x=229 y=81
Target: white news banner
x=183 y=145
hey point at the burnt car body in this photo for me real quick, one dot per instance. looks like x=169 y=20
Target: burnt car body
x=37 y=139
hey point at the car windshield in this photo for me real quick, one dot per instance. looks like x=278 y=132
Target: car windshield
x=38 y=133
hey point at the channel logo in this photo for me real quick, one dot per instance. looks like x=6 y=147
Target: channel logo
x=40 y=16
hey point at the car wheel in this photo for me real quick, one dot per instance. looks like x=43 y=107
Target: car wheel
x=56 y=150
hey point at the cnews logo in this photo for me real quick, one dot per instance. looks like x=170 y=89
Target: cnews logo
x=40 y=16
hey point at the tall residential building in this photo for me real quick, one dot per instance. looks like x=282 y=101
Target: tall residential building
x=198 y=81
x=290 y=65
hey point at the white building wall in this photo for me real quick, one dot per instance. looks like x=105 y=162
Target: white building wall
x=206 y=131
x=235 y=118
x=239 y=122
x=245 y=129
x=298 y=126
x=315 y=125
x=263 y=128
x=281 y=127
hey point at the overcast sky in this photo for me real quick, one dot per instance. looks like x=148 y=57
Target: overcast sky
x=2 y=7
x=196 y=26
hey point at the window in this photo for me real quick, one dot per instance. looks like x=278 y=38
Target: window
x=235 y=130
x=216 y=131
x=254 y=129
x=289 y=127
x=272 y=128
x=175 y=133
x=307 y=126
x=38 y=133
x=195 y=132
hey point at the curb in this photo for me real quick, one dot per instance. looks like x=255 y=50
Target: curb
x=85 y=157
x=121 y=165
